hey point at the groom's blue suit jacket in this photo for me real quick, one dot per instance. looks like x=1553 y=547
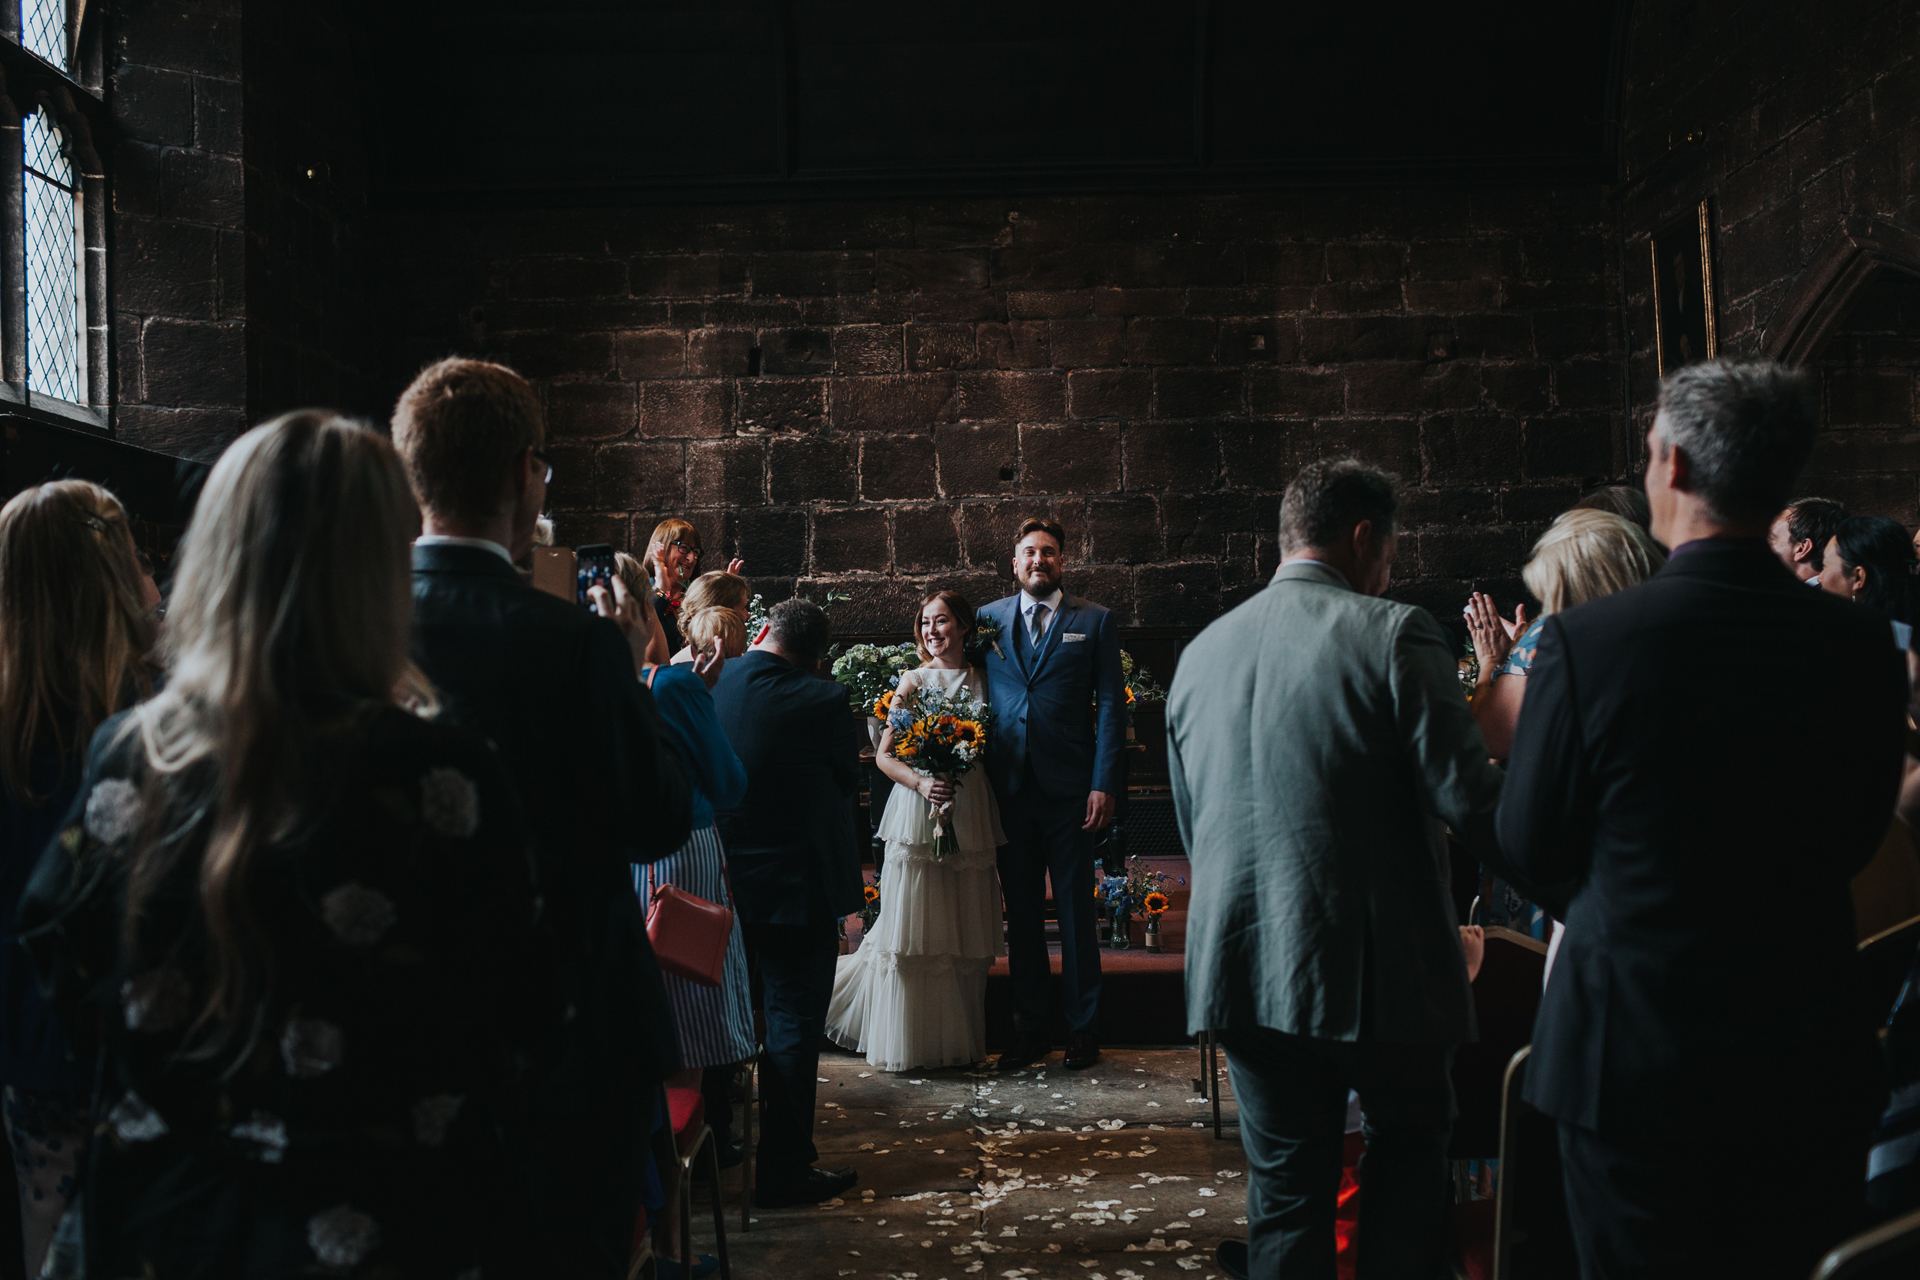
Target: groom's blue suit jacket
x=1044 y=705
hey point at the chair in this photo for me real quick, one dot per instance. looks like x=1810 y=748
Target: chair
x=692 y=1137
x=1890 y=1249
x=1506 y=996
x=748 y=1079
x=1208 y=1081
x=1526 y=1236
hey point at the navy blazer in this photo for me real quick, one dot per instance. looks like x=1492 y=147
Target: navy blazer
x=792 y=855
x=1047 y=714
x=1702 y=764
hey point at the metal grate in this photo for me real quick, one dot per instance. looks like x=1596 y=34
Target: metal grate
x=53 y=264
x=43 y=28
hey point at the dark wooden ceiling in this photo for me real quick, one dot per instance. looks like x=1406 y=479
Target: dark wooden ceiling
x=781 y=99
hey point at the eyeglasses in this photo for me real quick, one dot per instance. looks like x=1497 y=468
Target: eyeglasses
x=548 y=462
x=688 y=547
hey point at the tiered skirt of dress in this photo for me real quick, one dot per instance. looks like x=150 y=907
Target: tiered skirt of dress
x=914 y=993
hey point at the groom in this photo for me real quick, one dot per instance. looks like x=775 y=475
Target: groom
x=1056 y=771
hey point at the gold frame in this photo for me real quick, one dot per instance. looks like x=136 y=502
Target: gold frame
x=1704 y=220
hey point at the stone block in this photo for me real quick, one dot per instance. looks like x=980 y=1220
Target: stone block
x=772 y=541
x=1869 y=397
x=1492 y=336
x=195 y=39
x=930 y=271
x=1469 y=448
x=164 y=268
x=567 y=278
x=1287 y=262
x=1197 y=393
x=1335 y=339
x=868 y=348
x=1139 y=302
x=1367 y=261
x=1014 y=344
x=872 y=604
x=1077 y=267
x=705 y=275
x=1274 y=340
x=1022 y=397
x=1181 y=456
x=851 y=540
x=1452 y=507
x=926 y=540
x=1587 y=384
x=977 y=459
x=216 y=115
x=1123 y=530
x=650 y=353
x=812 y=469
x=1522 y=387
x=1171 y=340
x=580 y=528
x=1567 y=335
x=728 y=473
x=1200 y=525
x=688 y=409
x=195 y=364
x=801 y=352
x=1573 y=445
x=1479 y=259
x=779 y=405
x=1451 y=296
x=893 y=467
x=900 y=402
x=1291 y=393
x=1040 y=304
x=800 y=275
x=1468 y=554
x=598 y=410
x=1079 y=458
x=154 y=105
x=1408 y=386
x=643 y=475
x=1176 y=595
x=561 y=355
x=575 y=485
x=1109 y=393
x=1079 y=343
x=987 y=529
x=939 y=346
x=720 y=353
x=198 y=434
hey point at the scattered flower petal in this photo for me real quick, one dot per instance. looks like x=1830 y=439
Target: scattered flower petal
x=113 y=810
x=450 y=802
x=342 y=1236
x=358 y=916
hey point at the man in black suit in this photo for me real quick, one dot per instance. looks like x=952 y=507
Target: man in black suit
x=554 y=688
x=1701 y=765
x=794 y=864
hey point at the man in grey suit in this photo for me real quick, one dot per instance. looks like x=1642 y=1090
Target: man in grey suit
x=1319 y=744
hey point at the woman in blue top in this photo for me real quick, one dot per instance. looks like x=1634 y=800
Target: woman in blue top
x=76 y=625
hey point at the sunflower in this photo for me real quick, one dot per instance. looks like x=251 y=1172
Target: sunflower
x=1100 y=895
x=871 y=893
x=968 y=731
x=1156 y=903
x=1129 y=696
x=882 y=705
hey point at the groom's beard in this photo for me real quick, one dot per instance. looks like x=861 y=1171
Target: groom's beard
x=1039 y=586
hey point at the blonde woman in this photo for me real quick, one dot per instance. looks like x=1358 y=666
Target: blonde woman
x=298 y=917
x=716 y=590
x=1583 y=555
x=76 y=625
x=714 y=625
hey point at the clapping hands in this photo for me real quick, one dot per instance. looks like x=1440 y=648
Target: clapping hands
x=1493 y=635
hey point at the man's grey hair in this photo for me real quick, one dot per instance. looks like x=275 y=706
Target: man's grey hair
x=801 y=629
x=1328 y=498
x=1746 y=428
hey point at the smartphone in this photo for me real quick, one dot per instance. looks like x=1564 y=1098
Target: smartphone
x=593 y=567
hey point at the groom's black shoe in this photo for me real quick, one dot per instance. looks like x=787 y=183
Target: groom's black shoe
x=1082 y=1050
x=1023 y=1055
x=812 y=1187
x=1232 y=1258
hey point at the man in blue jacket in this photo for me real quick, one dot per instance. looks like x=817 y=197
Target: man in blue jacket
x=1059 y=723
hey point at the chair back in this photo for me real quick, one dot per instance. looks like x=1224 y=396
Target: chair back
x=1506 y=996
x=1885 y=959
x=1889 y=1250
x=1532 y=1239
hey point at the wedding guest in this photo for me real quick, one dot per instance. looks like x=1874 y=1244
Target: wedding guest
x=1316 y=739
x=556 y=689
x=1799 y=534
x=298 y=918
x=1697 y=1003
x=1629 y=502
x=633 y=576
x=1870 y=560
x=673 y=557
x=715 y=625
x=794 y=865
x=715 y=1023
x=76 y=627
x=1056 y=779
x=716 y=590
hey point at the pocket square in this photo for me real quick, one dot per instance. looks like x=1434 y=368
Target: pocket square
x=1071 y=636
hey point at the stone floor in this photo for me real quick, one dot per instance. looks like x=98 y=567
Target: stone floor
x=1108 y=1174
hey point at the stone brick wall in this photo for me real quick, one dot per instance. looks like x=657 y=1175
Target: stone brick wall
x=176 y=272
x=866 y=398
x=1789 y=118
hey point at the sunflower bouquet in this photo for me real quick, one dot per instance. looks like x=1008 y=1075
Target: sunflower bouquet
x=1137 y=890
x=940 y=734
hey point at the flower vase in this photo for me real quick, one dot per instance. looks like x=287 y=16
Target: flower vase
x=1153 y=934
x=1120 y=940
x=875 y=727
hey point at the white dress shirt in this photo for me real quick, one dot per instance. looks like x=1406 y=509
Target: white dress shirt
x=449 y=540
x=1028 y=604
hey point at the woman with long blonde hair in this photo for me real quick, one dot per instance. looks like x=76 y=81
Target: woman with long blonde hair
x=76 y=628
x=298 y=916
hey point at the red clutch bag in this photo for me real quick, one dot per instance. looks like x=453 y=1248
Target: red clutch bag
x=689 y=935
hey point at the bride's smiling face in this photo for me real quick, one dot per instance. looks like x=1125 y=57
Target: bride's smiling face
x=940 y=631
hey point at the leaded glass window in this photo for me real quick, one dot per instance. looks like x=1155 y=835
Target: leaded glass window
x=56 y=319
x=43 y=29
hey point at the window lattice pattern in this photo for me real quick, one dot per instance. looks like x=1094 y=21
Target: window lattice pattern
x=43 y=29
x=53 y=264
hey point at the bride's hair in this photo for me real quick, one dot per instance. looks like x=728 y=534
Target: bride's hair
x=956 y=605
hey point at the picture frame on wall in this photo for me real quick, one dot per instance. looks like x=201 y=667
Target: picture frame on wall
x=1683 y=321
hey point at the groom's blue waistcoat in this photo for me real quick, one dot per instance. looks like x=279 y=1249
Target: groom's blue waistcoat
x=1044 y=701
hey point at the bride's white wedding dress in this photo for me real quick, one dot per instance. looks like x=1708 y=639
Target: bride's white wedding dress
x=914 y=994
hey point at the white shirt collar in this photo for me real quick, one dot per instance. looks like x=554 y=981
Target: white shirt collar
x=1052 y=602
x=449 y=540
x=1316 y=560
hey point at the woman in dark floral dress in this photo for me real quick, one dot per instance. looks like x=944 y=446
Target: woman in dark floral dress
x=296 y=917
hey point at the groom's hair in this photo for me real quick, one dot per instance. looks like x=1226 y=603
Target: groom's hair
x=801 y=629
x=1328 y=498
x=1034 y=524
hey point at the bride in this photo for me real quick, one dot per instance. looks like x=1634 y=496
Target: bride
x=914 y=994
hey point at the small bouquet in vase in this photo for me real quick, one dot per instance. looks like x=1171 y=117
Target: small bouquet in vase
x=940 y=734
